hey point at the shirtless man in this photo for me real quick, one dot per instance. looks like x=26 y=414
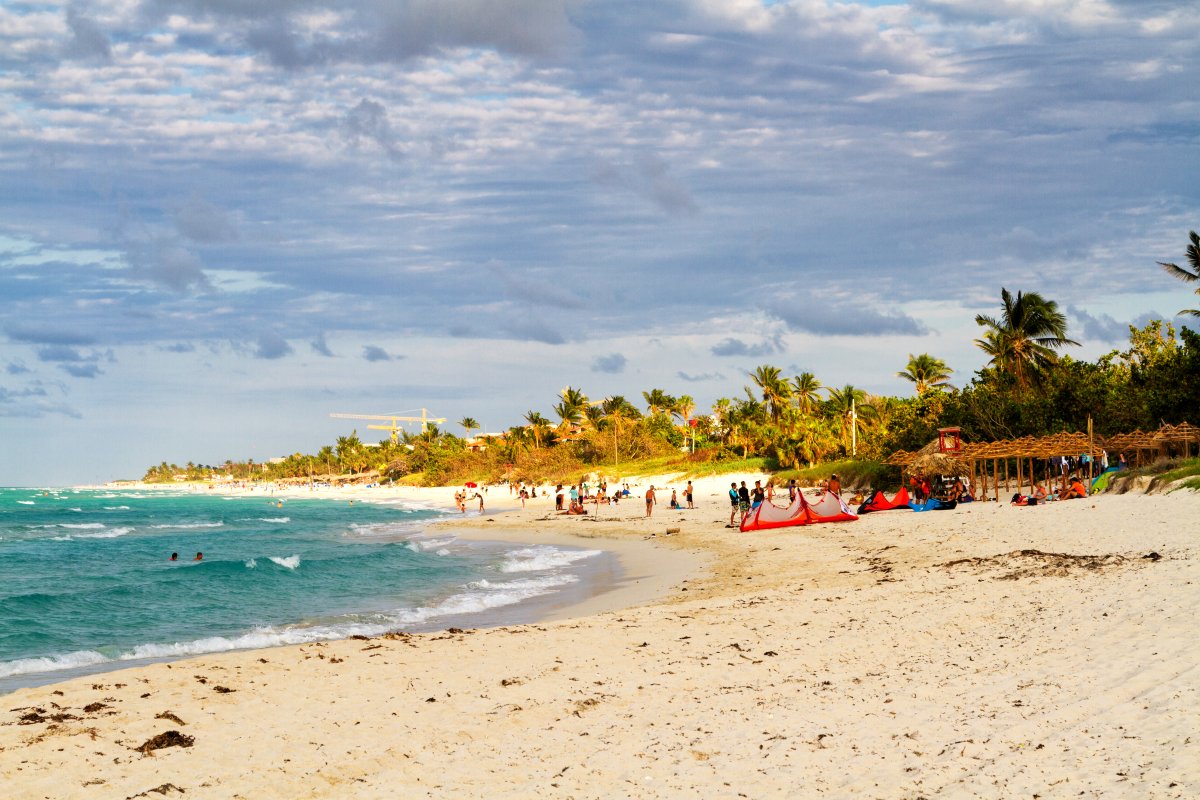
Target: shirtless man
x=649 y=500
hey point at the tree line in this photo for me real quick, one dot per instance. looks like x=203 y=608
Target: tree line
x=1029 y=386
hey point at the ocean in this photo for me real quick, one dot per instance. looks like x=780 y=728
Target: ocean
x=87 y=584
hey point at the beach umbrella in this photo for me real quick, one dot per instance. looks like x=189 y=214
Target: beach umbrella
x=470 y=484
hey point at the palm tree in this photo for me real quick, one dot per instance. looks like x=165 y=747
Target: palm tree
x=853 y=411
x=516 y=441
x=927 y=372
x=658 y=401
x=594 y=414
x=570 y=410
x=805 y=388
x=1024 y=340
x=684 y=407
x=1189 y=273
x=775 y=389
x=538 y=426
x=470 y=424
x=617 y=404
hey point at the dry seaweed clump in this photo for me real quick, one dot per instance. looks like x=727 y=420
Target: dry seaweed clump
x=166 y=739
x=1037 y=564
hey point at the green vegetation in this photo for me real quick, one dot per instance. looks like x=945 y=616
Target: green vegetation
x=1188 y=469
x=793 y=427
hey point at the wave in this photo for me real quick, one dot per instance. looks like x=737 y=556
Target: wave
x=116 y=508
x=542 y=557
x=275 y=519
x=110 y=534
x=382 y=530
x=408 y=505
x=26 y=502
x=291 y=562
x=190 y=525
x=251 y=564
x=25 y=666
x=83 y=526
x=422 y=545
x=480 y=596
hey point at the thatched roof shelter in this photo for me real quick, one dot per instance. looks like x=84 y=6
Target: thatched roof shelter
x=972 y=458
x=936 y=464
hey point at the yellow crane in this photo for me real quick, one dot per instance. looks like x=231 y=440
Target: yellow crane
x=424 y=419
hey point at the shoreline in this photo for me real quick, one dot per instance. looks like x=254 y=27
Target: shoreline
x=645 y=572
x=985 y=651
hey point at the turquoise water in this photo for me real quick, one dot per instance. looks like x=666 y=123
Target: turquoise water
x=86 y=583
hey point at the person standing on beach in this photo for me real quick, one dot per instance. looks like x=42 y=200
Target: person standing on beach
x=743 y=500
x=687 y=495
x=834 y=486
x=650 y=500
x=733 y=503
x=757 y=496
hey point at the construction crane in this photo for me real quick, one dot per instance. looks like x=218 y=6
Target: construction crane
x=424 y=419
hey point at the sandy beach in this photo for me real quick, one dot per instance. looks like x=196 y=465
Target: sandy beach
x=988 y=651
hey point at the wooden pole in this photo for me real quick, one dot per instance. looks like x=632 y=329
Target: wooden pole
x=1091 y=448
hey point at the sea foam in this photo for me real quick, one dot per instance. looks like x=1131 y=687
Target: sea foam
x=542 y=557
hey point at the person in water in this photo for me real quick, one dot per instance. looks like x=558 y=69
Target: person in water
x=199 y=557
x=174 y=556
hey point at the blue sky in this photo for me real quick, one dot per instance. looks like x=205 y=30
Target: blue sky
x=221 y=221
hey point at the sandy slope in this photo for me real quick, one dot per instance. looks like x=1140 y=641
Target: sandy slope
x=902 y=656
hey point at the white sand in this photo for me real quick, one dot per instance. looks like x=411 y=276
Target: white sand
x=837 y=660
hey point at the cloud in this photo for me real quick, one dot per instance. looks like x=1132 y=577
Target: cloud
x=62 y=353
x=373 y=353
x=81 y=370
x=168 y=265
x=1101 y=327
x=73 y=362
x=648 y=177
x=204 y=223
x=319 y=346
x=369 y=121
x=532 y=330
x=703 y=377
x=87 y=41
x=373 y=31
x=179 y=347
x=837 y=316
x=271 y=346
x=16 y=368
x=613 y=364
x=30 y=403
x=736 y=347
x=56 y=336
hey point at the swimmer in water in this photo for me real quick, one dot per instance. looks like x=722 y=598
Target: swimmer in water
x=199 y=557
x=174 y=556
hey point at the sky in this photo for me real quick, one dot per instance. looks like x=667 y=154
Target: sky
x=223 y=220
